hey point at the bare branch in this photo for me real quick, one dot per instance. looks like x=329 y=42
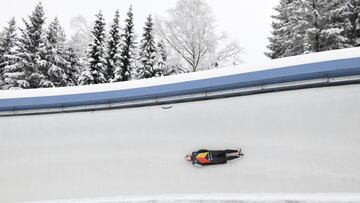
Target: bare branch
x=190 y=31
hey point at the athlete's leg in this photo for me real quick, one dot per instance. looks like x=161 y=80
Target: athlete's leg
x=218 y=153
x=232 y=157
x=223 y=152
x=231 y=151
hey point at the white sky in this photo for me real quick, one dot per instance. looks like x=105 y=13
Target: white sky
x=248 y=22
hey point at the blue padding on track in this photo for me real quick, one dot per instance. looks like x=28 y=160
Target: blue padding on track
x=336 y=68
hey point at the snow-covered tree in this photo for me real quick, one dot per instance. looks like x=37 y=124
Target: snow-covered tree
x=56 y=63
x=113 y=58
x=288 y=30
x=73 y=68
x=161 y=67
x=147 y=52
x=325 y=27
x=1 y=59
x=81 y=37
x=13 y=74
x=124 y=73
x=94 y=74
x=31 y=49
x=352 y=22
x=305 y=26
x=190 y=32
x=79 y=41
x=1 y=39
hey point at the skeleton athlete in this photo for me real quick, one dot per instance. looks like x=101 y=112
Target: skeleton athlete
x=212 y=157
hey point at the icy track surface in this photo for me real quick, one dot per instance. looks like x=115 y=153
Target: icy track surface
x=303 y=141
x=223 y=198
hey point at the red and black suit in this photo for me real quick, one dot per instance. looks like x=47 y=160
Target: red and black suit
x=212 y=157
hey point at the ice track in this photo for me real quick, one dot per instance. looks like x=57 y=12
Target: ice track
x=302 y=143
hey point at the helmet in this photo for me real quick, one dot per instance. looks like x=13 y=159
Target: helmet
x=188 y=157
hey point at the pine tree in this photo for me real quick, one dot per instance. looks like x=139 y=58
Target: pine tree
x=334 y=36
x=313 y=16
x=13 y=74
x=56 y=64
x=94 y=74
x=147 y=52
x=113 y=59
x=325 y=30
x=127 y=50
x=2 y=36
x=73 y=68
x=160 y=60
x=352 y=22
x=2 y=33
x=305 y=26
x=288 y=31
x=32 y=48
x=280 y=31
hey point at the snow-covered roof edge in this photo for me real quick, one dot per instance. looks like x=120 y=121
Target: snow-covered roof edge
x=277 y=63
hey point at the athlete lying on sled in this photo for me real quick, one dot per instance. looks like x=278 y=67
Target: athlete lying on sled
x=212 y=157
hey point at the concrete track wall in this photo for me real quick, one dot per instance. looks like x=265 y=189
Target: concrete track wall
x=303 y=141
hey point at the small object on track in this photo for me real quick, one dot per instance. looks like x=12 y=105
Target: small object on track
x=167 y=107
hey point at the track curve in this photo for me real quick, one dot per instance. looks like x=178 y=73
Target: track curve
x=295 y=141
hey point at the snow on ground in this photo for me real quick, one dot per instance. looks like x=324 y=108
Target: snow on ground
x=277 y=63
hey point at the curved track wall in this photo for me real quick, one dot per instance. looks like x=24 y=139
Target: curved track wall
x=303 y=141
x=347 y=64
